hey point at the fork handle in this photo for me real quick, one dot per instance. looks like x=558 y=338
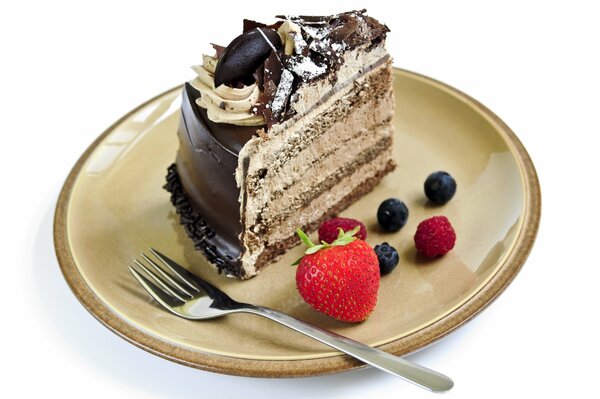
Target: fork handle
x=397 y=366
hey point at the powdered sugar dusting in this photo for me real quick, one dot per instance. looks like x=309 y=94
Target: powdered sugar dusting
x=319 y=45
x=305 y=68
x=337 y=47
x=316 y=32
x=300 y=44
x=284 y=89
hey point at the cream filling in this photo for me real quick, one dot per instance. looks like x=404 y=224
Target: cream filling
x=313 y=211
x=304 y=186
x=364 y=120
x=225 y=104
x=321 y=204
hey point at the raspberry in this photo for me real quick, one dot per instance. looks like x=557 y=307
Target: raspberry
x=328 y=230
x=435 y=236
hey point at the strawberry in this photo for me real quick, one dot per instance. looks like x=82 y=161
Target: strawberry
x=340 y=279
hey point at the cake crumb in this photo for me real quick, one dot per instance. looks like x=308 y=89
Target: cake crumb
x=262 y=134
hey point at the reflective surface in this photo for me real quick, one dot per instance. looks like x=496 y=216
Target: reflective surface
x=114 y=207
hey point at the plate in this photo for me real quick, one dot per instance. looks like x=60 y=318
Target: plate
x=112 y=207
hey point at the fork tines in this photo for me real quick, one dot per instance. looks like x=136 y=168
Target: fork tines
x=170 y=287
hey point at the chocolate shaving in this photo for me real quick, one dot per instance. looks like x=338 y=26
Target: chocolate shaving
x=282 y=95
x=249 y=24
x=368 y=30
x=312 y=32
x=322 y=47
x=377 y=31
x=263 y=105
x=344 y=30
x=273 y=68
x=219 y=50
x=300 y=45
x=318 y=51
x=259 y=76
x=305 y=67
x=307 y=19
x=269 y=118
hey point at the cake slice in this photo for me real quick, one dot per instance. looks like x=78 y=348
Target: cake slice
x=282 y=129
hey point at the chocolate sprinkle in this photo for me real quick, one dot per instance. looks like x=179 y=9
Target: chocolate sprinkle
x=196 y=227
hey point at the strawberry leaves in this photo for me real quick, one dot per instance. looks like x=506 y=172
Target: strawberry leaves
x=343 y=238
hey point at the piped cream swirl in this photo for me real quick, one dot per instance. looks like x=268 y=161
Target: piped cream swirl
x=225 y=104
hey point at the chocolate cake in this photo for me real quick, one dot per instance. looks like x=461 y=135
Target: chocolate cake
x=282 y=129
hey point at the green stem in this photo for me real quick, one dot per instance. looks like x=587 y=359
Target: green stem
x=305 y=239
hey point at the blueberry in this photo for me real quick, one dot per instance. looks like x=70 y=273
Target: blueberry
x=392 y=214
x=387 y=256
x=440 y=187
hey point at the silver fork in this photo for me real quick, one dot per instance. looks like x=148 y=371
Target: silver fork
x=186 y=295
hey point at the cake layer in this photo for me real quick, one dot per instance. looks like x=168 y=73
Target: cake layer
x=273 y=251
x=337 y=151
x=366 y=70
x=305 y=193
x=316 y=207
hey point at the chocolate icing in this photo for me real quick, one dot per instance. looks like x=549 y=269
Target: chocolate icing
x=196 y=227
x=206 y=163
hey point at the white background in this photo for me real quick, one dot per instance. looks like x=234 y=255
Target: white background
x=68 y=70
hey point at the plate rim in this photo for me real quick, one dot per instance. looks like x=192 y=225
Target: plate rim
x=413 y=342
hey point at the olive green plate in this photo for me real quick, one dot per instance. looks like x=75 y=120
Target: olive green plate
x=112 y=208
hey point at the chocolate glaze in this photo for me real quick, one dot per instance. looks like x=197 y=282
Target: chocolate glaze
x=206 y=164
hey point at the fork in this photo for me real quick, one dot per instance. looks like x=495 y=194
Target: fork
x=187 y=295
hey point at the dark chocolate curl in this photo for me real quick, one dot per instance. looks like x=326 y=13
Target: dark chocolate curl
x=273 y=68
x=250 y=24
x=218 y=51
x=343 y=31
x=244 y=54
